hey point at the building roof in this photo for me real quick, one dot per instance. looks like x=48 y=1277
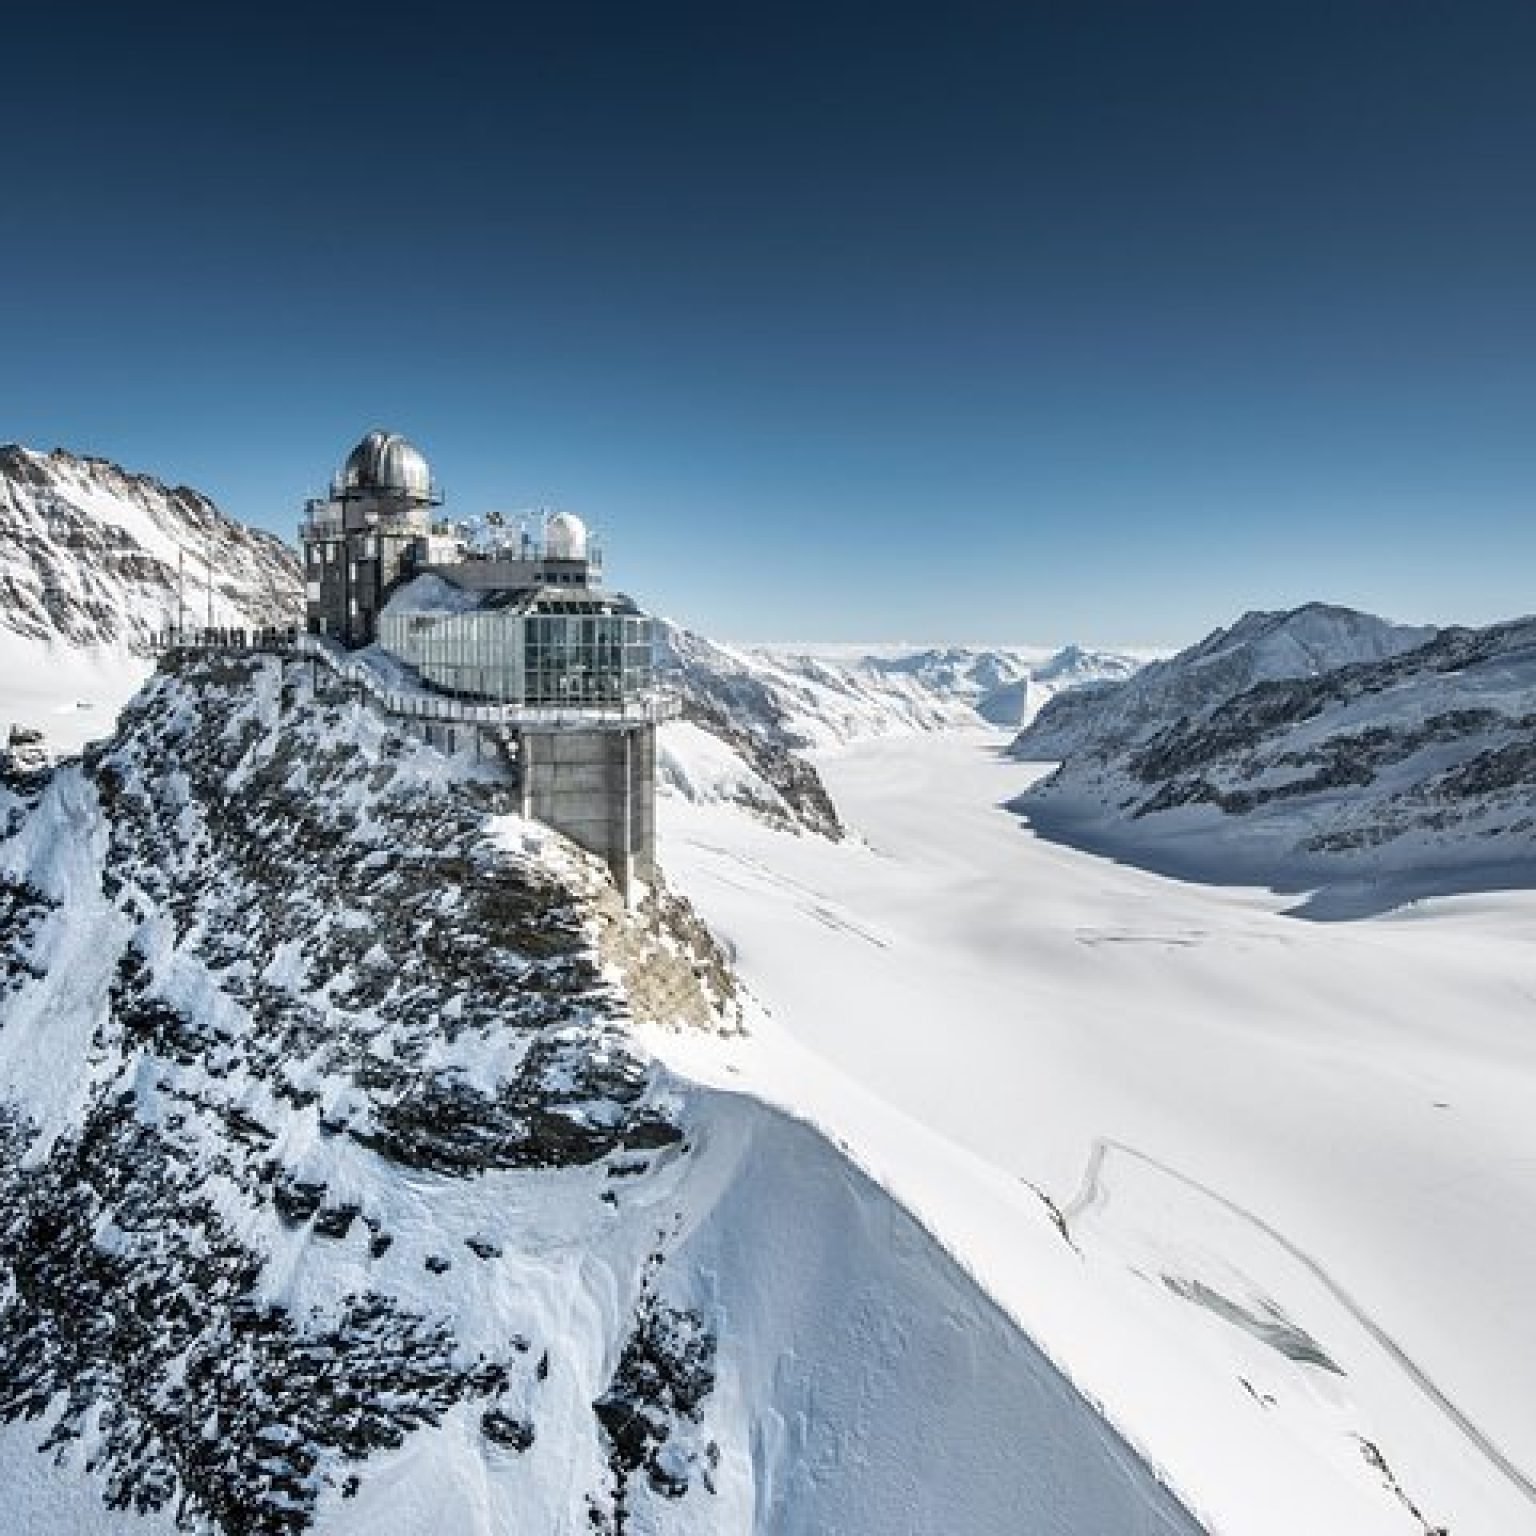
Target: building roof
x=570 y=601
x=435 y=592
x=385 y=463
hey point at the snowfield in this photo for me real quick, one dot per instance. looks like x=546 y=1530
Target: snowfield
x=71 y=694
x=1261 y=1186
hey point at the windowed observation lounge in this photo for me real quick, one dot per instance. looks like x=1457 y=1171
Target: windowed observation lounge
x=543 y=647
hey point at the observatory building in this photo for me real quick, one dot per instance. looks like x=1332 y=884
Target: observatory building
x=513 y=624
x=375 y=526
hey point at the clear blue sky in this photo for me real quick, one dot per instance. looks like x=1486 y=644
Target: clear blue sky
x=1028 y=321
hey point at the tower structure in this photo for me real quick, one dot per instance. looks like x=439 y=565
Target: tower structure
x=374 y=528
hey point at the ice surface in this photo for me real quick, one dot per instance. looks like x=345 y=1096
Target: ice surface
x=71 y=694
x=1173 y=1130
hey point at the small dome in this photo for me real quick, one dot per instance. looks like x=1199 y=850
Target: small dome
x=565 y=537
x=385 y=462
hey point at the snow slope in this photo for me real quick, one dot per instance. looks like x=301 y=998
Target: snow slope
x=1261 y=1187
x=69 y=693
x=93 y=561
x=1377 y=780
x=336 y=1192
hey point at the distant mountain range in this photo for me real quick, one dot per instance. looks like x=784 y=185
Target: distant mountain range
x=1316 y=748
x=752 y=711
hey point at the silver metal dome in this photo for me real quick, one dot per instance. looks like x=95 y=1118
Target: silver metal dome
x=384 y=463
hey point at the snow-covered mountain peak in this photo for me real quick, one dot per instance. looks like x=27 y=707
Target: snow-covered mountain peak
x=93 y=555
x=1077 y=665
x=1304 y=750
x=1259 y=647
x=1299 y=642
x=94 y=560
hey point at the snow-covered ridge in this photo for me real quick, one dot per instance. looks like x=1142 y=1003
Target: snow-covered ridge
x=1412 y=767
x=94 y=560
x=336 y=1192
x=93 y=555
x=1259 y=647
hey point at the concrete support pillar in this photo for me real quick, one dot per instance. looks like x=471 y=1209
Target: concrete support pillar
x=597 y=787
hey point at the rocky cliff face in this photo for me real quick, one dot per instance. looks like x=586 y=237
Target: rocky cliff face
x=338 y=1192
x=267 y=962
x=91 y=555
x=1418 y=765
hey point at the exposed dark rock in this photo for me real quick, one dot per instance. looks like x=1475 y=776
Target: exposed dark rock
x=297 y=1200
x=664 y=1376
x=777 y=762
x=24 y=760
x=517 y=1434
x=335 y=1220
x=203 y=1400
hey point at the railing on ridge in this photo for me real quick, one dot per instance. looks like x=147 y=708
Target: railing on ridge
x=651 y=708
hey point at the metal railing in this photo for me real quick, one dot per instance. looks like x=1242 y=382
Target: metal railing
x=646 y=709
x=201 y=637
x=650 y=708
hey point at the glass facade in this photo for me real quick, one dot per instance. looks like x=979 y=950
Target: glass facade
x=564 y=653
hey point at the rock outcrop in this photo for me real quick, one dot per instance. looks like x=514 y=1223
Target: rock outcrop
x=289 y=944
